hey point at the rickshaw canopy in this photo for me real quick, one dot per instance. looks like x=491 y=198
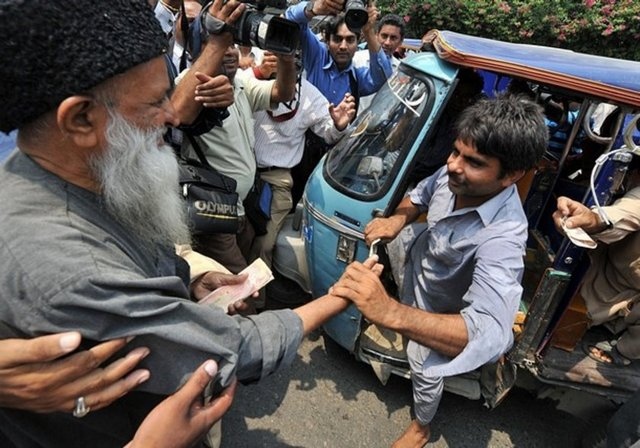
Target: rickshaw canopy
x=598 y=76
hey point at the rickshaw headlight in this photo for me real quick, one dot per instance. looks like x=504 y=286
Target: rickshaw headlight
x=346 y=250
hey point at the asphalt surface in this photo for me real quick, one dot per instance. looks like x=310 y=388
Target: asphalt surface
x=328 y=399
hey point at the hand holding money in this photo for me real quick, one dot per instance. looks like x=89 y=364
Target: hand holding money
x=257 y=275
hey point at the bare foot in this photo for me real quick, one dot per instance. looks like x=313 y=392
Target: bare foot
x=415 y=436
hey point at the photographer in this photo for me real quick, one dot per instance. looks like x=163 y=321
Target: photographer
x=329 y=66
x=230 y=147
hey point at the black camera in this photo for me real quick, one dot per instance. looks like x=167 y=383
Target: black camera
x=261 y=29
x=257 y=27
x=355 y=14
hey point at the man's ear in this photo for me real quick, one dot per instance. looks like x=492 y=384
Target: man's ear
x=512 y=178
x=81 y=119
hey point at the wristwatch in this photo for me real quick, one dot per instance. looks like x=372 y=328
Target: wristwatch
x=308 y=9
x=214 y=26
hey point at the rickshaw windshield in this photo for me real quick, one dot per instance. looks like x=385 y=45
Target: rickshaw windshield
x=362 y=163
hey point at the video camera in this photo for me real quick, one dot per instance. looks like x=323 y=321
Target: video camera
x=355 y=14
x=266 y=30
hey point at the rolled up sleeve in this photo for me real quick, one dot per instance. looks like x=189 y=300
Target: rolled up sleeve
x=371 y=78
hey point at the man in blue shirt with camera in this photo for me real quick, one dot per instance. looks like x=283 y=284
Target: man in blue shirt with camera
x=329 y=64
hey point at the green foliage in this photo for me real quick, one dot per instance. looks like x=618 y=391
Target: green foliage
x=604 y=27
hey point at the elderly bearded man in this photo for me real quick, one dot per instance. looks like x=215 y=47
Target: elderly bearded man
x=91 y=210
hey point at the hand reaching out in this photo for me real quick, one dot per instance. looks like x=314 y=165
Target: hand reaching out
x=343 y=113
x=575 y=214
x=181 y=419
x=213 y=280
x=360 y=283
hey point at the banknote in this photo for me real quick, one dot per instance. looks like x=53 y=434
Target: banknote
x=259 y=275
x=579 y=237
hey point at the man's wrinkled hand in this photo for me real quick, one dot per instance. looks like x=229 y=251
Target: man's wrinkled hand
x=36 y=376
x=213 y=280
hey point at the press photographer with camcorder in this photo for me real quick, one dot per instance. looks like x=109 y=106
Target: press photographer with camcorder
x=258 y=27
x=329 y=64
x=229 y=146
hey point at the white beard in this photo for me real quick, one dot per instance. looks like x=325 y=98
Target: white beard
x=138 y=175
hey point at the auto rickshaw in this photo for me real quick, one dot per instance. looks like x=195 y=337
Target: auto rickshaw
x=370 y=170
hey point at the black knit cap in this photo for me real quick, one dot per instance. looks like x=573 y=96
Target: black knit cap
x=53 y=49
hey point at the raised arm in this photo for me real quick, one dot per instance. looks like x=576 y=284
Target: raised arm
x=371 y=78
x=284 y=88
x=369 y=30
x=209 y=61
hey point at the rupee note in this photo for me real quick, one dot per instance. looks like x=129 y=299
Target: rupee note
x=258 y=276
x=579 y=237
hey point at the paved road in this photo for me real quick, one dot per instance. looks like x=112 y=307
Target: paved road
x=327 y=399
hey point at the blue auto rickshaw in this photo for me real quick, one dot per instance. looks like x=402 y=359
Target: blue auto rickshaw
x=403 y=134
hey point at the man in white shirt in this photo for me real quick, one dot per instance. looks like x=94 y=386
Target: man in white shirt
x=230 y=149
x=280 y=142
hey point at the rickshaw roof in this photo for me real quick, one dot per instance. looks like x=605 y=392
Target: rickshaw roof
x=599 y=76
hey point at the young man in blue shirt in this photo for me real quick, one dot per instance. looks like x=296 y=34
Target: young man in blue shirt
x=461 y=287
x=329 y=64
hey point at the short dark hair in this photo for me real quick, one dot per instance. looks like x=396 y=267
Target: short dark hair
x=331 y=28
x=391 y=19
x=509 y=127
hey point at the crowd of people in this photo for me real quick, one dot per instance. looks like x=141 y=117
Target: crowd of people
x=103 y=340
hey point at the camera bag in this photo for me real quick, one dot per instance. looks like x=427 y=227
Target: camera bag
x=211 y=197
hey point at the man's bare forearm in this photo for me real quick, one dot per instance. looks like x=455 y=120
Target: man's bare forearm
x=408 y=210
x=318 y=311
x=285 y=86
x=444 y=333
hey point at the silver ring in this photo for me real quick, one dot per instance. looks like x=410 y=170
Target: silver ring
x=81 y=408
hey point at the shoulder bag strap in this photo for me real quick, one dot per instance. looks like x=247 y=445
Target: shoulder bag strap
x=353 y=85
x=184 y=27
x=199 y=152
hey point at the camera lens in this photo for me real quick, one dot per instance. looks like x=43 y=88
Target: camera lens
x=356 y=15
x=267 y=31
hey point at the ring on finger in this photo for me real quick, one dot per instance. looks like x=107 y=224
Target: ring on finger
x=81 y=408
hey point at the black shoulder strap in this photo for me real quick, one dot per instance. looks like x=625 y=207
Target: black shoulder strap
x=172 y=72
x=353 y=85
x=198 y=150
x=184 y=28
